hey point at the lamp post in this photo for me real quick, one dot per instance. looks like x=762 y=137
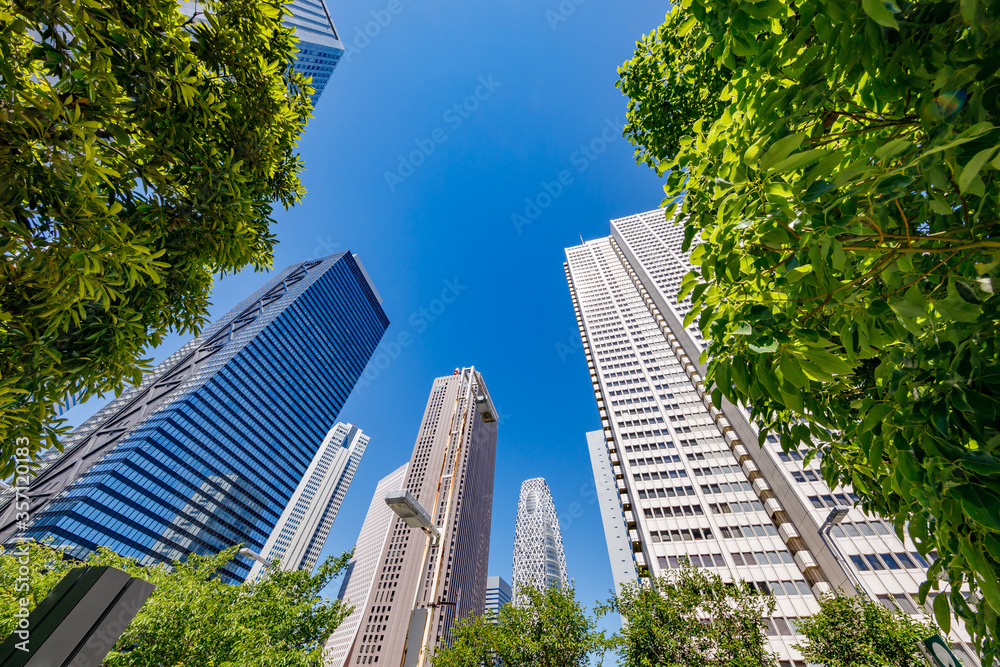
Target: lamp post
x=838 y=514
x=253 y=555
x=414 y=515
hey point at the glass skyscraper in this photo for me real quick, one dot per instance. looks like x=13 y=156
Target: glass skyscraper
x=320 y=48
x=207 y=451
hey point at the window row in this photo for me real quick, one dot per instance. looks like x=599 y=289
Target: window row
x=666 y=492
x=680 y=535
x=833 y=500
x=664 y=474
x=723 y=487
x=655 y=460
x=888 y=561
x=736 y=507
x=668 y=512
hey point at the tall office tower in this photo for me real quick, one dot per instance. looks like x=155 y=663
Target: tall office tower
x=451 y=476
x=207 y=451
x=320 y=47
x=360 y=576
x=302 y=530
x=616 y=533
x=498 y=593
x=686 y=483
x=539 y=559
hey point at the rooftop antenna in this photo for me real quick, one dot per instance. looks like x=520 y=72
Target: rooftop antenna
x=581 y=239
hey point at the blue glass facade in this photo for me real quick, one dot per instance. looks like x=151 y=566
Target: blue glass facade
x=320 y=48
x=216 y=462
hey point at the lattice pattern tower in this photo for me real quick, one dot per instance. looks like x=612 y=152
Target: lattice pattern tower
x=539 y=559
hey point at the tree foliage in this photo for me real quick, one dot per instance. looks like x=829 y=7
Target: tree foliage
x=849 y=631
x=192 y=619
x=842 y=210
x=545 y=629
x=690 y=618
x=141 y=151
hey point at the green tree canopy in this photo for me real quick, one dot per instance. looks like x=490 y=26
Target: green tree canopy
x=545 y=629
x=192 y=619
x=842 y=211
x=141 y=151
x=667 y=622
x=855 y=631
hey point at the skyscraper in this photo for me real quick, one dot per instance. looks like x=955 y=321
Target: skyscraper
x=616 y=533
x=686 y=484
x=302 y=530
x=360 y=576
x=320 y=47
x=498 y=593
x=451 y=475
x=207 y=451
x=539 y=559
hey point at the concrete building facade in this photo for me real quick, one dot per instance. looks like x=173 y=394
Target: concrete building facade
x=690 y=479
x=360 y=576
x=498 y=593
x=451 y=475
x=303 y=527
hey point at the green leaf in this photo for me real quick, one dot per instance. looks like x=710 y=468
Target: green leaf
x=792 y=371
x=942 y=612
x=973 y=168
x=796 y=274
x=878 y=12
x=798 y=160
x=982 y=506
x=905 y=308
x=781 y=149
x=968 y=8
x=894 y=147
x=828 y=362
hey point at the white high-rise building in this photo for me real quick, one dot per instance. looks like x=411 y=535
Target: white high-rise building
x=498 y=594
x=360 y=576
x=690 y=480
x=539 y=559
x=303 y=527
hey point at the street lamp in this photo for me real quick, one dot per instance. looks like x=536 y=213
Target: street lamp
x=838 y=514
x=253 y=555
x=414 y=515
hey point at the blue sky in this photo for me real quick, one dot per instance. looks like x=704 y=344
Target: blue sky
x=545 y=132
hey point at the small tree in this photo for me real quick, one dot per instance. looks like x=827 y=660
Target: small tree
x=855 y=631
x=691 y=618
x=545 y=629
x=141 y=152
x=193 y=618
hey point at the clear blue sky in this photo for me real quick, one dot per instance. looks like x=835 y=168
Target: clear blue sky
x=550 y=96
